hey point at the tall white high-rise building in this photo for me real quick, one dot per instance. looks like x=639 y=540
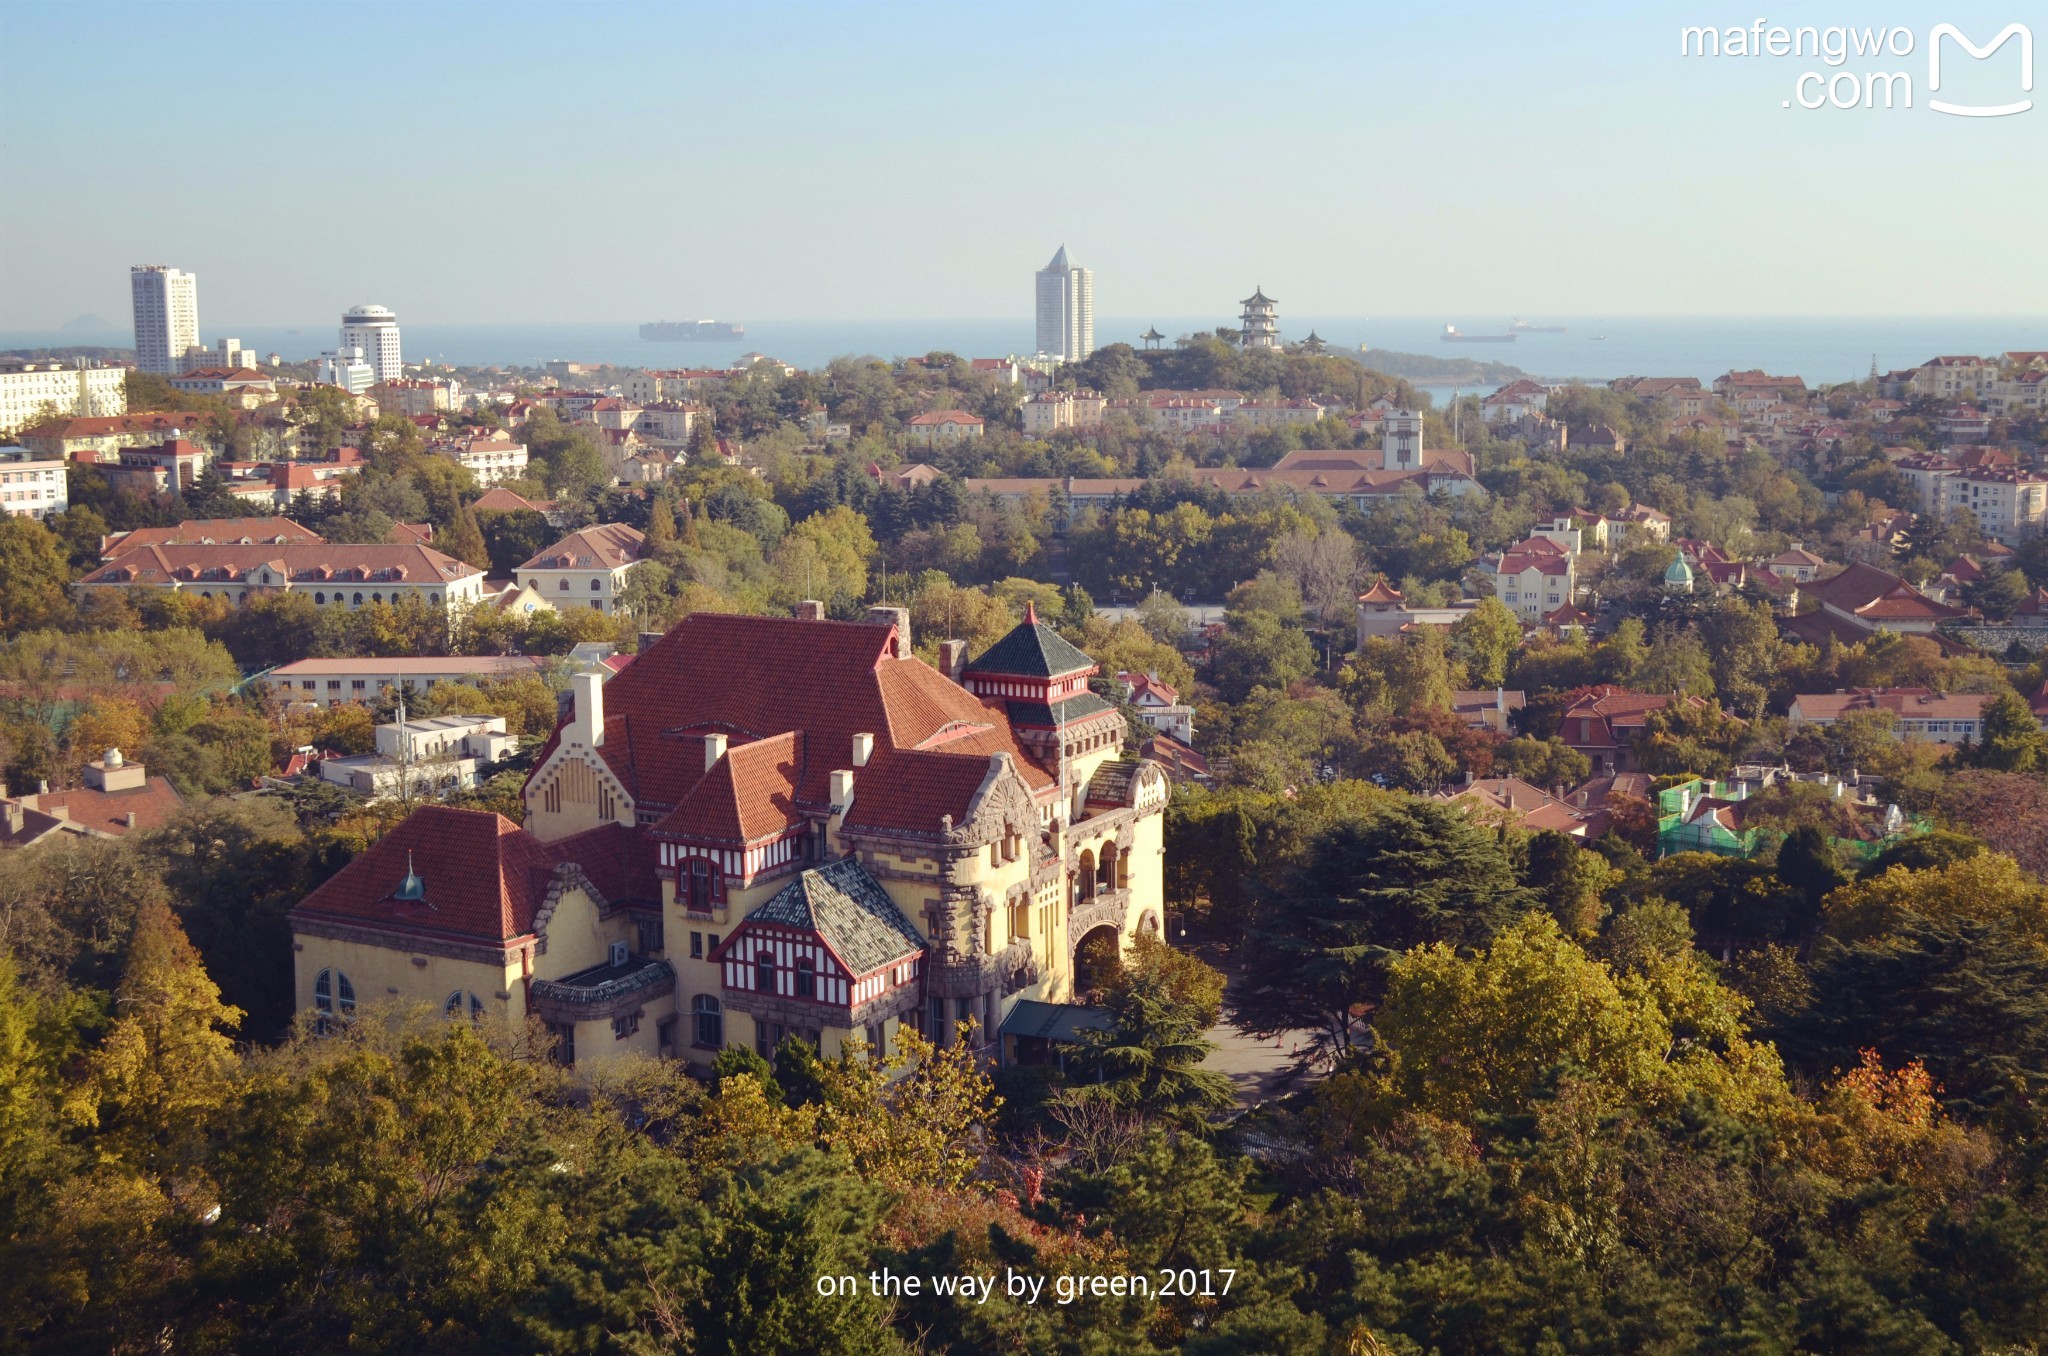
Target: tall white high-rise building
x=1066 y=309
x=374 y=330
x=166 y=317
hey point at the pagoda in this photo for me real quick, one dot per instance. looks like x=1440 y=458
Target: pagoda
x=1261 y=321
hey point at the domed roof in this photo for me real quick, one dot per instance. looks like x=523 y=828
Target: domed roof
x=369 y=313
x=1678 y=572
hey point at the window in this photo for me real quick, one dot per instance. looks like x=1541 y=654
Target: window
x=458 y=1000
x=320 y=600
x=650 y=935
x=565 y=1043
x=696 y=946
x=565 y=586
x=710 y=942
x=595 y=586
x=356 y=685
x=806 y=978
x=766 y=1037
x=937 y=1035
x=699 y=885
x=333 y=995
x=334 y=684
x=709 y=1021
x=764 y=971
x=625 y=1026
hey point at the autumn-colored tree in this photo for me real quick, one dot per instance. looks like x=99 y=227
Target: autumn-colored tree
x=465 y=540
x=167 y=1062
x=918 y=1115
x=1988 y=887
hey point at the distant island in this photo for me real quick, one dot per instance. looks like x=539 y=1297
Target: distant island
x=1424 y=370
x=66 y=352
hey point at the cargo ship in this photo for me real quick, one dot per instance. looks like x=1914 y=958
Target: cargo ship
x=672 y=330
x=1452 y=335
x=1519 y=328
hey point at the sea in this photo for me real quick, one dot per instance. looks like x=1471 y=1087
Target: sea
x=1592 y=348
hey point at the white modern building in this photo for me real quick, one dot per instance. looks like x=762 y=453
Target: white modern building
x=346 y=368
x=166 y=316
x=32 y=484
x=424 y=755
x=373 y=330
x=228 y=355
x=1066 y=310
x=31 y=392
x=331 y=682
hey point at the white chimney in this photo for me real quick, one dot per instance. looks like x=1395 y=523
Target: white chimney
x=842 y=788
x=863 y=749
x=714 y=749
x=586 y=724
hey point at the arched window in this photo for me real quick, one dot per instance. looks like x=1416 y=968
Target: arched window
x=595 y=586
x=359 y=600
x=764 y=971
x=806 y=978
x=458 y=1000
x=698 y=885
x=333 y=995
x=434 y=598
x=565 y=586
x=376 y=597
x=1087 y=874
x=319 y=600
x=1105 y=874
x=710 y=1022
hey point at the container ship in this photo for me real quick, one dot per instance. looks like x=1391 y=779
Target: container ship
x=1452 y=335
x=668 y=331
x=1520 y=328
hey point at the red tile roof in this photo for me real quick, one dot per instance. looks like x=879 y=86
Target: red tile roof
x=485 y=878
x=604 y=547
x=152 y=803
x=301 y=563
x=767 y=680
x=200 y=531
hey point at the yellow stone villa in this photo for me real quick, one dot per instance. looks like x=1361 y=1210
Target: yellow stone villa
x=768 y=827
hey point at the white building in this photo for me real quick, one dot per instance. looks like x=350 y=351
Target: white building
x=374 y=330
x=424 y=755
x=32 y=485
x=1066 y=309
x=227 y=354
x=592 y=566
x=1533 y=577
x=346 y=368
x=332 y=574
x=330 y=682
x=31 y=392
x=166 y=316
x=490 y=460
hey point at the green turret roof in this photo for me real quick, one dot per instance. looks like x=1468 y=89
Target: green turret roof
x=1033 y=650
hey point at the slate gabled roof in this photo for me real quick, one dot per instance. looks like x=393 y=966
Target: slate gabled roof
x=1032 y=650
x=850 y=911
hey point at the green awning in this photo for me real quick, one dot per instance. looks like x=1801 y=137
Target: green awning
x=1064 y=1022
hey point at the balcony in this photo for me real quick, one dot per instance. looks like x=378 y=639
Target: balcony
x=602 y=991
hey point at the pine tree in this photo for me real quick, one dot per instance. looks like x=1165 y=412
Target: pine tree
x=465 y=540
x=661 y=525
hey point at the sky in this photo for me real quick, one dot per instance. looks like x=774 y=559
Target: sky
x=595 y=162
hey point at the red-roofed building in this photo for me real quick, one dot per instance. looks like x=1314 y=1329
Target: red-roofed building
x=1603 y=722
x=939 y=427
x=116 y=798
x=1533 y=577
x=764 y=828
x=591 y=568
x=1517 y=804
x=209 y=532
x=1945 y=718
x=332 y=574
x=1864 y=599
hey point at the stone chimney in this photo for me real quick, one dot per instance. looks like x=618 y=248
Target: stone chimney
x=586 y=722
x=17 y=815
x=714 y=749
x=863 y=749
x=810 y=609
x=899 y=617
x=842 y=789
x=953 y=658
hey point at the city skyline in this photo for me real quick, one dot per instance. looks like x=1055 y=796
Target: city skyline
x=1415 y=168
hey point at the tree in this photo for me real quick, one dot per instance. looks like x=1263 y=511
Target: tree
x=1985 y=886
x=1148 y=1060
x=166 y=1062
x=465 y=540
x=1323 y=933
x=34 y=575
x=1259 y=650
x=1542 y=762
x=1570 y=881
x=1969 y=999
x=1484 y=639
x=1485 y=1034
x=2013 y=739
x=918 y=1115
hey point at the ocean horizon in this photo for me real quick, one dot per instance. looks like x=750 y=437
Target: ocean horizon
x=1822 y=350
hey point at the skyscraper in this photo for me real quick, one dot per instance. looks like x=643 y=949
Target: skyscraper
x=166 y=317
x=1066 y=309
x=374 y=330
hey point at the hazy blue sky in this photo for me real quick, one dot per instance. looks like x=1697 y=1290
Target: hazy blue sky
x=619 y=162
